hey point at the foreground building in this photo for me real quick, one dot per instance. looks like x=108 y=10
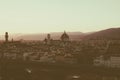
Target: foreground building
x=112 y=61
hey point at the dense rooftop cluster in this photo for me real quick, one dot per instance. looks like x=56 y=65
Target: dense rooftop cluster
x=58 y=51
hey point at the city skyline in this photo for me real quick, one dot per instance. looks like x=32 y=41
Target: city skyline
x=38 y=16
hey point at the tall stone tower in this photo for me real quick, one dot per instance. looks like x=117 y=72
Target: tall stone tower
x=6 y=36
x=48 y=39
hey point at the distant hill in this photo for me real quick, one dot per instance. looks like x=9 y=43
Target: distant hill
x=54 y=35
x=112 y=34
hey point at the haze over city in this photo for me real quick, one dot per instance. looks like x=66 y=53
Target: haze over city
x=38 y=16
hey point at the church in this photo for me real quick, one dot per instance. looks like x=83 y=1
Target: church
x=65 y=37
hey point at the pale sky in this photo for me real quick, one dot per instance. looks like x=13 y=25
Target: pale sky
x=38 y=16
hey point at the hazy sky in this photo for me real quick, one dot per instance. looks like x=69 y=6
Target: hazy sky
x=36 y=16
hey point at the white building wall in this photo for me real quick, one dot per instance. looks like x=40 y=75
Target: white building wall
x=115 y=61
x=111 y=62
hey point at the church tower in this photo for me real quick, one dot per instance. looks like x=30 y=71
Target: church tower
x=6 y=36
x=48 y=39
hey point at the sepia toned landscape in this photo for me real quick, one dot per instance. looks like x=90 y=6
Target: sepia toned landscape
x=87 y=57
x=59 y=39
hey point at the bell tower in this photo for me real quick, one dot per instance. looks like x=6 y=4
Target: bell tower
x=6 y=36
